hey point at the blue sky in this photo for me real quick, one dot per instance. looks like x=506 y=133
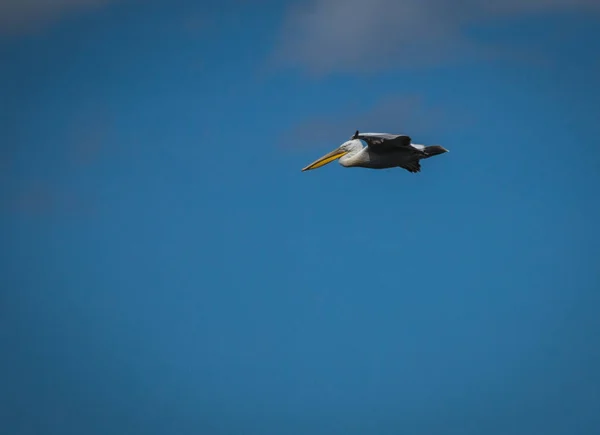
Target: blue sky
x=168 y=268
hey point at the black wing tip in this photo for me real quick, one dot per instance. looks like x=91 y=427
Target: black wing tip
x=412 y=167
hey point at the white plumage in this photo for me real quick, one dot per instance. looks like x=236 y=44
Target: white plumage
x=383 y=150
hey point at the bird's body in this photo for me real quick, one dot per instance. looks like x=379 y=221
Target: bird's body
x=368 y=157
x=382 y=151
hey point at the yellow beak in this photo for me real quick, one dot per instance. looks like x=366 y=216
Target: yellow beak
x=327 y=158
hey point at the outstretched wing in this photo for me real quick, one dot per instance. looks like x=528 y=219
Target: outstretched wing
x=382 y=142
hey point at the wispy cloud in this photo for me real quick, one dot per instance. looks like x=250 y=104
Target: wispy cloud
x=90 y=134
x=405 y=114
x=37 y=199
x=81 y=142
x=24 y=16
x=323 y=36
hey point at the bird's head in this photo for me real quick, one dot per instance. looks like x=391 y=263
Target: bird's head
x=342 y=150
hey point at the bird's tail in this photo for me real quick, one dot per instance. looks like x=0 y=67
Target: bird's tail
x=434 y=150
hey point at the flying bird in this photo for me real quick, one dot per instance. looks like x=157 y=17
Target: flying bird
x=383 y=151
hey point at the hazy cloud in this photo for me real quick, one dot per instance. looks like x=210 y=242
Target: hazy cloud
x=90 y=134
x=321 y=36
x=403 y=114
x=524 y=6
x=23 y=16
x=41 y=199
x=80 y=141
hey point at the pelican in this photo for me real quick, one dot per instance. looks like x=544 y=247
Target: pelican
x=383 y=151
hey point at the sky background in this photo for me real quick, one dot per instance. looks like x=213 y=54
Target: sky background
x=166 y=268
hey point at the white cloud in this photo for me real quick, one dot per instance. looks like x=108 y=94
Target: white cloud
x=23 y=16
x=328 y=35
